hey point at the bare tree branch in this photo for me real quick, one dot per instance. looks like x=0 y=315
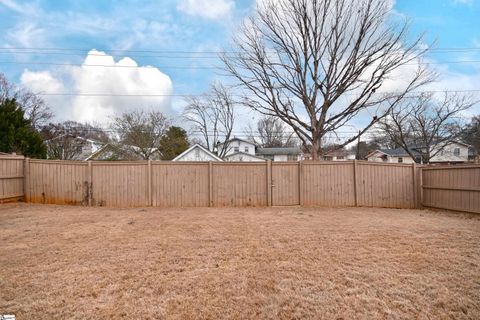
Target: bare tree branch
x=316 y=64
x=270 y=133
x=34 y=106
x=426 y=123
x=139 y=133
x=213 y=117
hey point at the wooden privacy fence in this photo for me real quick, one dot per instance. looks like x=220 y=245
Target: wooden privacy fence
x=201 y=184
x=454 y=188
x=195 y=184
x=11 y=178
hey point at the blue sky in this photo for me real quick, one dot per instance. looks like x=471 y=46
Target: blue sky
x=164 y=33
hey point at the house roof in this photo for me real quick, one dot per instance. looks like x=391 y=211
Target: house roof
x=195 y=146
x=399 y=152
x=274 y=151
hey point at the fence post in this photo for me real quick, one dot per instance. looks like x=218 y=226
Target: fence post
x=355 y=194
x=421 y=187
x=89 y=184
x=26 y=179
x=210 y=184
x=414 y=183
x=300 y=182
x=269 y=183
x=149 y=181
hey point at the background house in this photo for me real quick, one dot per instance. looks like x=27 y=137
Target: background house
x=197 y=153
x=236 y=146
x=242 y=156
x=455 y=152
x=70 y=147
x=339 y=155
x=398 y=155
x=243 y=150
x=280 y=154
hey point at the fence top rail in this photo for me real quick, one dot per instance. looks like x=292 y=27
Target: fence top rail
x=163 y=163
x=69 y=162
x=248 y=163
x=322 y=162
x=444 y=167
x=12 y=157
x=118 y=163
x=358 y=162
x=372 y=163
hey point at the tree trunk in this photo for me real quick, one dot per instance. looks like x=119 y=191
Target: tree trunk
x=315 y=151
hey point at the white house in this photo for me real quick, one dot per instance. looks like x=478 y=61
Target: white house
x=398 y=155
x=280 y=154
x=80 y=148
x=339 y=155
x=197 y=153
x=242 y=156
x=455 y=152
x=243 y=150
x=237 y=145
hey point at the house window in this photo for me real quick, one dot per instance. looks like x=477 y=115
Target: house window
x=246 y=149
x=236 y=149
x=400 y=160
x=340 y=157
x=456 y=151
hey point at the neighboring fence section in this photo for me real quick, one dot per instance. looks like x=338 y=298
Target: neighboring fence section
x=454 y=188
x=11 y=178
x=195 y=184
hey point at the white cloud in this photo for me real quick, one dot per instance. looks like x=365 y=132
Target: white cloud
x=116 y=78
x=209 y=9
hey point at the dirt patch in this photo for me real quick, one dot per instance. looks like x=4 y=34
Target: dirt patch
x=61 y=262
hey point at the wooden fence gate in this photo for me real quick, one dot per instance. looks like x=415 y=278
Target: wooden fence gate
x=286 y=184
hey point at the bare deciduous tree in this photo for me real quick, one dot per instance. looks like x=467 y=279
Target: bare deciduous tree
x=271 y=133
x=139 y=133
x=36 y=110
x=66 y=140
x=317 y=63
x=426 y=124
x=212 y=115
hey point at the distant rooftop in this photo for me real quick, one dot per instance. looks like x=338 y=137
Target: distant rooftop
x=274 y=151
x=399 y=152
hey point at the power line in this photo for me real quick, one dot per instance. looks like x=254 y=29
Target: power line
x=440 y=49
x=206 y=95
x=195 y=67
x=108 y=66
x=175 y=54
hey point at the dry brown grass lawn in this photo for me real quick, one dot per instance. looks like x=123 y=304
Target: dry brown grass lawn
x=60 y=262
